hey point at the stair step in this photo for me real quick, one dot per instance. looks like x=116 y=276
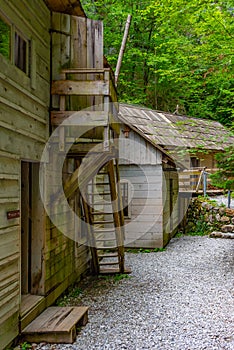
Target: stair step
x=110 y=271
x=109 y=263
x=105 y=230
x=103 y=222
x=100 y=213
x=107 y=248
x=105 y=239
x=104 y=202
x=102 y=183
x=108 y=255
x=56 y=325
x=100 y=193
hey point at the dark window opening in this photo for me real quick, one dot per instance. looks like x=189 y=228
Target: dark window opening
x=125 y=199
x=195 y=162
x=5 y=39
x=20 y=53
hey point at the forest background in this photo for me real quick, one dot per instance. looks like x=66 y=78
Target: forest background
x=179 y=52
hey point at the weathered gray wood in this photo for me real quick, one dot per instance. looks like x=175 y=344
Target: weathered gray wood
x=117 y=220
x=37 y=240
x=56 y=324
x=88 y=88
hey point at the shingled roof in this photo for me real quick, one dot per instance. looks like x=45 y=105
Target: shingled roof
x=171 y=130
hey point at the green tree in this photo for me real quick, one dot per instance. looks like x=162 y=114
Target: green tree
x=5 y=34
x=179 y=52
x=224 y=177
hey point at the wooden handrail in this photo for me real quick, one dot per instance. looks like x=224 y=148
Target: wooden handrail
x=85 y=70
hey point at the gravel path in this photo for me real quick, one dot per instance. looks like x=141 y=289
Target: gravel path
x=181 y=298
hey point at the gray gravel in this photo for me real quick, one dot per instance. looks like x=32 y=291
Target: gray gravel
x=181 y=298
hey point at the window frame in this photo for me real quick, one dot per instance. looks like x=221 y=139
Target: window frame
x=124 y=182
x=13 y=31
x=7 y=22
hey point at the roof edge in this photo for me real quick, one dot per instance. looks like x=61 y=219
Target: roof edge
x=70 y=7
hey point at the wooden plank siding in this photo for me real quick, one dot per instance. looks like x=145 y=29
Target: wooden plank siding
x=144 y=229
x=135 y=149
x=9 y=248
x=150 y=224
x=24 y=117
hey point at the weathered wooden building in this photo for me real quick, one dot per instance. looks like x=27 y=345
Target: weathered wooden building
x=149 y=182
x=156 y=149
x=51 y=59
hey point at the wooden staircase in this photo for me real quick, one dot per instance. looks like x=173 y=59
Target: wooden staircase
x=96 y=178
x=95 y=158
x=104 y=213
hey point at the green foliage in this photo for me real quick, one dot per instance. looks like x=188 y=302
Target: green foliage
x=121 y=276
x=5 y=34
x=224 y=177
x=71 y=293
x=201 y=228
x=145 y=250
x=25 y=346
x=178 y=52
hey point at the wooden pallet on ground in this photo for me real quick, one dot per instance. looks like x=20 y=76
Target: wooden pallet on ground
x=56 y=325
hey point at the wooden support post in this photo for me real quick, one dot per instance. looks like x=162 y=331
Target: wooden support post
x=120 y=202
x=91 y=239
x=62 y=106
x=229 y=198
x=118 y=231
x=204 y=182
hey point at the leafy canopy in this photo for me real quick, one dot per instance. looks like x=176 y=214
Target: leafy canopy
x=224 y=177
x=179 y=52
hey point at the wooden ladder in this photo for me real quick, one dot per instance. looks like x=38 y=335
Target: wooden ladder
x=103 y=211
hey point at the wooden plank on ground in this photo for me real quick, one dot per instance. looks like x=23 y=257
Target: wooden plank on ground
x=56 y=324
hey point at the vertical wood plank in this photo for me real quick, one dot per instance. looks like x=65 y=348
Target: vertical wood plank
x=79 y=56
x=114 y=199
x=24 y=227
x=38 y=235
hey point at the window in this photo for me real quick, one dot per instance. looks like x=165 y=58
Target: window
x=20 y=47
x=125 y=191
x=5 y=39
x=195 y=162
x=14 y=46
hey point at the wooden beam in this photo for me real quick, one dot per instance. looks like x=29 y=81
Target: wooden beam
x=86 y=88
x=95 y=118
x=85 y=70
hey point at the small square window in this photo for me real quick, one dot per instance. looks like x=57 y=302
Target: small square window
x=5 y=39
x=21 y=47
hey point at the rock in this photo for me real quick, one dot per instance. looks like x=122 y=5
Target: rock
x=232 y=221
x=227 y=228
x=222 y=210
x=217 y=217
x=230 y=212
x=217 y=234
x=211 y=220
x=225 y=219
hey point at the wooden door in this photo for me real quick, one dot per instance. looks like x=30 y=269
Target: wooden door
x=32 y=231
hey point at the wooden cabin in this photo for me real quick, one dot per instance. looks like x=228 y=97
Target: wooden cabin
x=157 y=150
x=191 y=142
x=149 y=185
x=51 y=66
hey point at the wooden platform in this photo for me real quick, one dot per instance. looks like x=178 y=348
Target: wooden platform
x=110 y=271
x=56 y=325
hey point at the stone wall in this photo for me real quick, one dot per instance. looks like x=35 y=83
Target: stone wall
x=207 y=214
